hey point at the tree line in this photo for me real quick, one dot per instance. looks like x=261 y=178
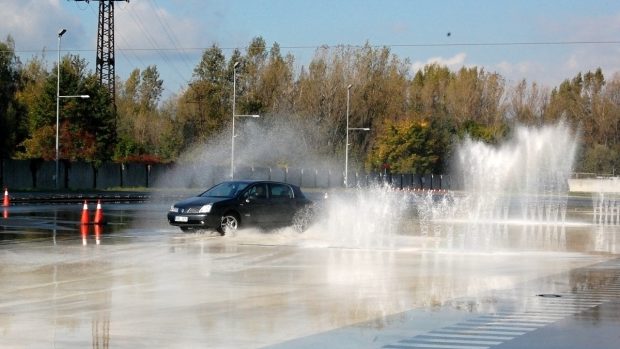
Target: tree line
x=415 y=118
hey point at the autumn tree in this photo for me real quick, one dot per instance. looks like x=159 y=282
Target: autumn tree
x=320 y=98
x=276 y=82
x=379 y=84
x=86 y=129
x=527 y=103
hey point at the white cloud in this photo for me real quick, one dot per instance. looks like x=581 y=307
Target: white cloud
x=148 y=33
x=142 y=25
x=454 y=63
x=516 y=71
x=34 y=24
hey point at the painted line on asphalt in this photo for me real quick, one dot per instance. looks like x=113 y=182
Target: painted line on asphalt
x=490 y=330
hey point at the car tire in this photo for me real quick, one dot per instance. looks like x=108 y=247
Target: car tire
x=229 y=223
x=302 y=219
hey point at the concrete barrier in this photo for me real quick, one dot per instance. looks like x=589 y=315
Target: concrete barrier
x=17 y=174
x=81 y=175
x=277 y=174
x=595 y=185
x=243 y=172
x=293 y=176
x=336 y=178
x=46 y=173
x=158 y=174
x=133 y=175
x=261 y=173
x=322 y=178
x=108 y=175
x=26 y=174
x=308 y=178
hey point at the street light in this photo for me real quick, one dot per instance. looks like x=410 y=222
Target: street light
x=346 y=148
x=61 y=32
x=232 y=140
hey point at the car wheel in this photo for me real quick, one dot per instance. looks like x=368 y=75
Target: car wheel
x=228 y=224
x=302 y=219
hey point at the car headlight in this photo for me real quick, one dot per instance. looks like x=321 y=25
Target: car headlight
x=174 y=209
x=205 y=208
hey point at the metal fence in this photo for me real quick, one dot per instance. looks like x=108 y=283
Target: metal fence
x=36 y=174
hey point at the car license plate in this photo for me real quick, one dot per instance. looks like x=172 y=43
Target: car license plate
x=180 y=219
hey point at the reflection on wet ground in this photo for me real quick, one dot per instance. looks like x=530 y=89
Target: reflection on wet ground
x=136 y=282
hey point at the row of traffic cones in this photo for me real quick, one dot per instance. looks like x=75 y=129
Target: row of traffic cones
x=85 y=230
x=98 y=215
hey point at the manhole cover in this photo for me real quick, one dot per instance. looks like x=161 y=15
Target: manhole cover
x=549 y=295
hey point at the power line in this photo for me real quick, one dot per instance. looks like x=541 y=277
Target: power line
x=121 y=37
x=463 y=44
x=162 y=53
x=171 y=35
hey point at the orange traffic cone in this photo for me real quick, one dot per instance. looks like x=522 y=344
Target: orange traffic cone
x=98 y=230
x=98 y=214
x=6 y=201
x=84 y=219
x=84 y=232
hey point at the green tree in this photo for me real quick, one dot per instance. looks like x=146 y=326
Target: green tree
x=249 y=78
x=144 y=131
x=412 y=146
x=600 y=159
x=86 y=129
x=12 y=130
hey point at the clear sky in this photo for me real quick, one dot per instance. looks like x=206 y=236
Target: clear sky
x=543 y=41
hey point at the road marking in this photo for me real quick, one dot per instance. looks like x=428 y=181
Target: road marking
x=494 y=329
x=431 y=346
x=447 y=334
x=457 y=341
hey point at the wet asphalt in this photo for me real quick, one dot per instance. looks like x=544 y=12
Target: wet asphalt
x=138 y=282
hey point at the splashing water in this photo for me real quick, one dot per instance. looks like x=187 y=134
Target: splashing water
x=525 y=177
x=605 y=208
x=522 y=181
x=364 y=217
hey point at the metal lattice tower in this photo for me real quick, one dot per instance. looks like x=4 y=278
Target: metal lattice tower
x=105 y=45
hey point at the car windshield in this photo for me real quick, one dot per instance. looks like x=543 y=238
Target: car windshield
x=225 y=190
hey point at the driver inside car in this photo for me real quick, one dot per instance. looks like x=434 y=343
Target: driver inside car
x=256 y=192
x=260 y=192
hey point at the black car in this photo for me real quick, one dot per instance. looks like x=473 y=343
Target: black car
x=229 y=205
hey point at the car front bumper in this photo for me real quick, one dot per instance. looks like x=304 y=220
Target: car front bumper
x=204 y=220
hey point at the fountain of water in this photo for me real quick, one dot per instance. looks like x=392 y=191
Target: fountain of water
x=522 y=182
x=606 y=209
x=519 y=183
x=524 y=178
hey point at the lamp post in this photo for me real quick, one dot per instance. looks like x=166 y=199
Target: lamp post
x=60 y=34
x=58 y=97
x=234 y=115
x=346 y=148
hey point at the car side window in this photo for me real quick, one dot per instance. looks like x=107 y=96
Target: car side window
x=257 y=192
x=280 y=191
